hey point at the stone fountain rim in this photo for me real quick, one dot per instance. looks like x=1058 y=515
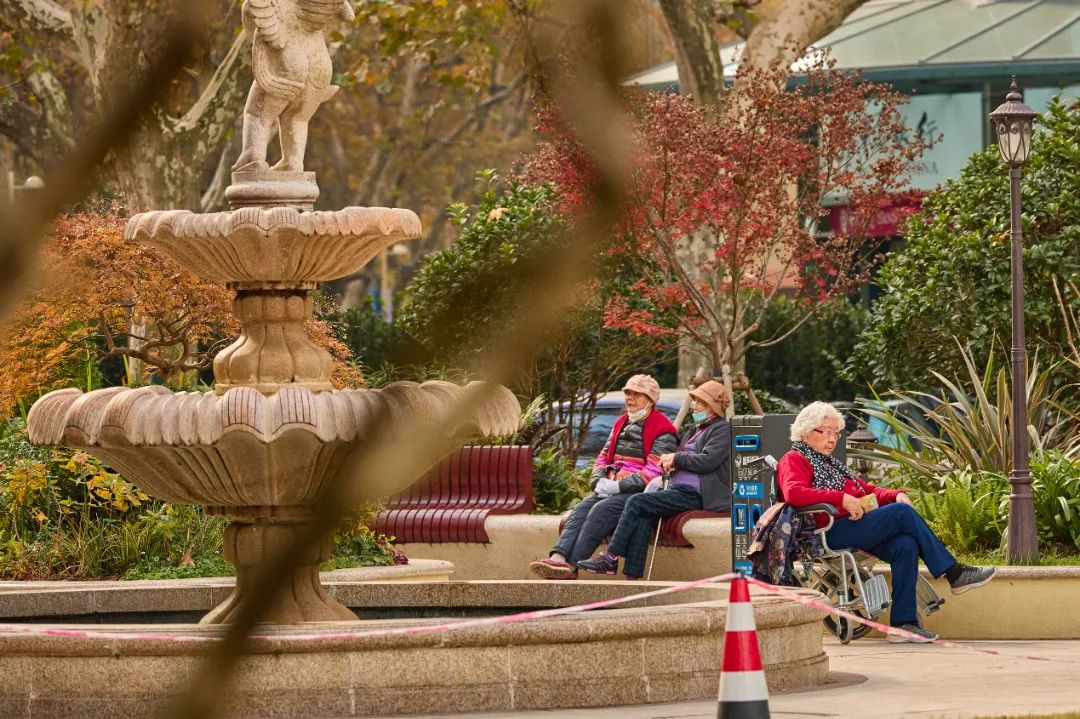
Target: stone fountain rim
x=700 y=617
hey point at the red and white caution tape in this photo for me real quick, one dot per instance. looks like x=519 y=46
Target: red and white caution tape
x=46 y=631
x=789 y=593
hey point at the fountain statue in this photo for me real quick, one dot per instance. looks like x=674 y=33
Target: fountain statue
x=261 y=447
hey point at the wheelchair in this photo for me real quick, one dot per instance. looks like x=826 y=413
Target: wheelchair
x=846 y=578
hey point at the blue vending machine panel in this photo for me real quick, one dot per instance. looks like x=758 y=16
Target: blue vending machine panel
x=753 y=486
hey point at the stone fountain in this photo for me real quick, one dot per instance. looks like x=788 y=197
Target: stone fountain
x=262 y=446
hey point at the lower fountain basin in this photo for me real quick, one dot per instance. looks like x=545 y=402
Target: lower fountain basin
x=667 y=651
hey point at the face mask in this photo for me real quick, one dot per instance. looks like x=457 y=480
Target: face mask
x=639 y=415
x=700 y=417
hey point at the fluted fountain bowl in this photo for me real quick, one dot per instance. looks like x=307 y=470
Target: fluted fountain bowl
x=243 y=449
x=263 y=460
x=264 y=245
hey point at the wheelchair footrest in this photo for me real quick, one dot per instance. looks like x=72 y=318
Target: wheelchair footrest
x=876 y=595
x=929 y=601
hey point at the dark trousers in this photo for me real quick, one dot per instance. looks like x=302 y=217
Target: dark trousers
x=895 y=533
x=589 y=524
x=639 y=518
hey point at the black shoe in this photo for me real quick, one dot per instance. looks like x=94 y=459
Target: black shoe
x=921 y=636
x=972 y=578
x=602 y=563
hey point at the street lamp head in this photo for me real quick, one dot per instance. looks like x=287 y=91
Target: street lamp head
x=1012 y=127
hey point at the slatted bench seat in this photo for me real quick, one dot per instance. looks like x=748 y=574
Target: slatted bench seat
x=671 y=530
x=451 y=502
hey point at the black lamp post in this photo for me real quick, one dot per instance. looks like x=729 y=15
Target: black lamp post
x=1012 y=127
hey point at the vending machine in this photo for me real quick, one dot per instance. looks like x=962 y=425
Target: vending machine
x=753 y=480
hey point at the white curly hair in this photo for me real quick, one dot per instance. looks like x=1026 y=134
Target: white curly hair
x=810 y=418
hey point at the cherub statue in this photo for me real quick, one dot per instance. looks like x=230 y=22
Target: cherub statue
x=292 y=75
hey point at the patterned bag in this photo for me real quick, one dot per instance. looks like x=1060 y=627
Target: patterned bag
x=779 y=536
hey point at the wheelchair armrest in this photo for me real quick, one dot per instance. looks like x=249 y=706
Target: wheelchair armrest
x=811 y=508
x=828 y=509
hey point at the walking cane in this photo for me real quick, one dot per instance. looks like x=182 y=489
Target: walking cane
x=656 y=539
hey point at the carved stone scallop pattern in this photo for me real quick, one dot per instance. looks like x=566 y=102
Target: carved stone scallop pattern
x=244 y=453
x=278 y=244
x=154 y=416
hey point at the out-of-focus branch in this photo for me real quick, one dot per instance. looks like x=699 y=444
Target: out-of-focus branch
x=408 y=447
x=72 y=177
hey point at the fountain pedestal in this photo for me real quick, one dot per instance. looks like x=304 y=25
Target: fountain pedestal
x=249 y=544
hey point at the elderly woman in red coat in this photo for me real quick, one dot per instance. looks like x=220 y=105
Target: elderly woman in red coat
x=893 y=531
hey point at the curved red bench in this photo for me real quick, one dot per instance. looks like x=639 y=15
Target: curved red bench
x=671 y=530
x=451 y=502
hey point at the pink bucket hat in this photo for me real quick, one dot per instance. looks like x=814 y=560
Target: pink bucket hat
x=644 y=384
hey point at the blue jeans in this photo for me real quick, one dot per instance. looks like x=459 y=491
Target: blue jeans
x=639 y=518
x=589 y=524
x=895 y=533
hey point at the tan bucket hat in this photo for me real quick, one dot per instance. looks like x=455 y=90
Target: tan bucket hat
x=713 y=394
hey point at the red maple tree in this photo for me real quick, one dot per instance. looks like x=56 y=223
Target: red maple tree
x=99 y=292
x=726 y=204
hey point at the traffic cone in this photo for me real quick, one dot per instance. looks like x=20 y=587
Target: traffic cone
x=743 y=692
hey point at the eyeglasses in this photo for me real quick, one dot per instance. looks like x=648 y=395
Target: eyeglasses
x=828 y=433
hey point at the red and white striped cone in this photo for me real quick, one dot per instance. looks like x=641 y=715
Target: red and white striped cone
x=743 y=692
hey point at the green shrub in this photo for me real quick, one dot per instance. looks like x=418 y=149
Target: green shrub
x=769 y=403
x=969 y=509
x=557 y=484
x=964 y=509
x=1055 y=485
x=974 y=423
x=952 y=279
x=824 y=345
x=360 y=546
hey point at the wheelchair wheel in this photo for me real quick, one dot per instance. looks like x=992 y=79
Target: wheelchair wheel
x=828 y=583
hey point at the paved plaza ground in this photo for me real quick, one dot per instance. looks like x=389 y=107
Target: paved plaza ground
x=873 y=679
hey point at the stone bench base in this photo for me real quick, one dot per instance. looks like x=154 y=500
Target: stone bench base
x=517 y=540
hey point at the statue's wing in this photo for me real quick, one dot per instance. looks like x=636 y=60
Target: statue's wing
x=268 y=17
x=324 y=12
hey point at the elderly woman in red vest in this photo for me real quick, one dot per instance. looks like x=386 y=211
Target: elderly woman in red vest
x=629 y=460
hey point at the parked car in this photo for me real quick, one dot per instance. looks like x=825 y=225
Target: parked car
x=608 y=408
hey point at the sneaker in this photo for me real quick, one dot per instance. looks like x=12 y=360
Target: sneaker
x=602 y=563
x=551 y=569
x=972 y=578
x=915 y=635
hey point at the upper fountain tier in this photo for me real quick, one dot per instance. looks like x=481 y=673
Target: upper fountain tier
x=273 y=246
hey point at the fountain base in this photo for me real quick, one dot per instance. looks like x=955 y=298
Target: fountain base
x=249 y=545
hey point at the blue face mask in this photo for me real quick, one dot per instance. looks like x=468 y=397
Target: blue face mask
x=700 y=417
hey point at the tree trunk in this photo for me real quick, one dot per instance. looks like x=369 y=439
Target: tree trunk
x=697 y=51
x=791 y=28
x=166 y=160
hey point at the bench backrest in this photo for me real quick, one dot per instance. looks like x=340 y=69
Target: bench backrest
x=479 y=477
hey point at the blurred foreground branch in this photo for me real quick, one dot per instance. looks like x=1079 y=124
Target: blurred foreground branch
x=587 y=90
